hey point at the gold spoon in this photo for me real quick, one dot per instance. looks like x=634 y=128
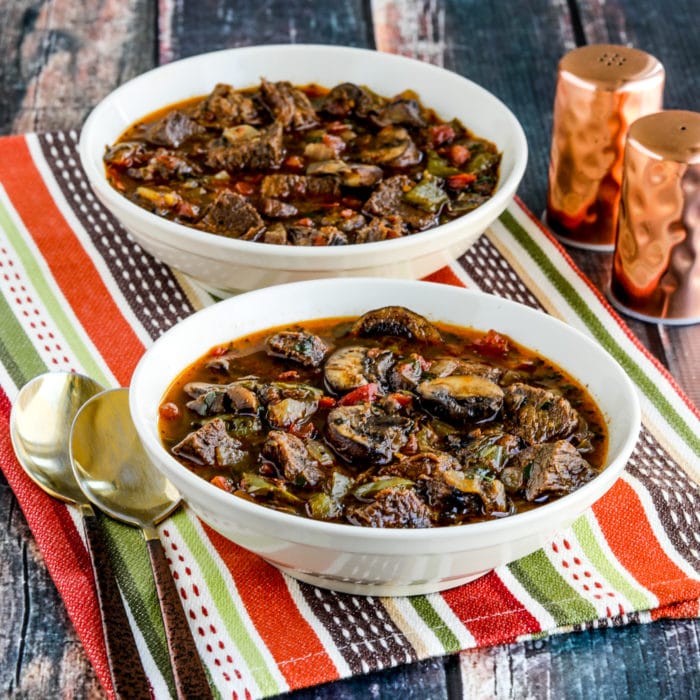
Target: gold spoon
x=116 y=474
x=39 y=428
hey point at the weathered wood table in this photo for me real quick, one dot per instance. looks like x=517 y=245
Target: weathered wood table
x=60 y=57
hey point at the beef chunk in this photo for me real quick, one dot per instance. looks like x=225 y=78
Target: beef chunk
x=250 y=149
x=281 y=186
x=381 y=228
x=556 y=468
x=490 y=449
x=305 y=348
x=387 y=201
x=173 y=130
x=210 y=446
x=366 y=432
x=230 y=214
x=289 y=105
x=163 y=165
x=225 y=107
x=242 y=399
x=393 y=507
x=289 y=453
x=276 y=234
x=276 y=209
x=537 y=415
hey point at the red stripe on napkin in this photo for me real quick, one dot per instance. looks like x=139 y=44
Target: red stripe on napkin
x=633 y=541
x=70 y=265
x=491 y=613
x=444 y=275
x=64 y=552
x=291 y=640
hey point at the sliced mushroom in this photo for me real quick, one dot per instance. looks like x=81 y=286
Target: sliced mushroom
x=462 y=398
x=345 y=369
x=350 y=174
x=397 y=320
x=392 y=145
x=445 y=366
x=365 y=432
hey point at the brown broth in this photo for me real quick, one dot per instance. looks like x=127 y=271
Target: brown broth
x=251 y=359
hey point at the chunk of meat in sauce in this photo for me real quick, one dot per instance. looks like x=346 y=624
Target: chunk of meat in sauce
x=227 y=107
x=255 y=149
x=290 y=412
x=367 y=433
x=210 y=445
x=387 y=201
x=380 y=228
x=230 y=214
x=173 y=130
x=305 y=348
x=290 y=455
x=396 y=320
x=288 y=105
x=462 y=398
x=538 y=415
x=404 y=111
x=392 y=507
x=392 y=146
x=550 y=468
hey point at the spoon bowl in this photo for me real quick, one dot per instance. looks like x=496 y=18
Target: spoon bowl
x=116 y=474
x=40 y=425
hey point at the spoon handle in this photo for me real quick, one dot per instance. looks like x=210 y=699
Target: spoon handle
x=190 y=678
x=128 y=675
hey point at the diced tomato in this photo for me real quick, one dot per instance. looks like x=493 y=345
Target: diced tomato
x=460 y=181
x=305 y=222
x=346 y=213
x=289 y=374
x=244 y=188
x=224 y=483
x=294 y=162
x=169 y=410
x=366 y=392
x=326 y=402
x=218 y=351
x=440 y=133
x=458 y=154
x=401 y=399
x=493 y=344
x=335 y=142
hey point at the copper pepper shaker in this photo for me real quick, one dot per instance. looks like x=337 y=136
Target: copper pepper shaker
x=656 y=265
x=601 y=90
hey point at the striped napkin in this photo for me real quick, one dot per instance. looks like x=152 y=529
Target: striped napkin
x=78 y=294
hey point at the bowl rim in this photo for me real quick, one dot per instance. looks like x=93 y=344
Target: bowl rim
x=489 y=210
x=451 y=537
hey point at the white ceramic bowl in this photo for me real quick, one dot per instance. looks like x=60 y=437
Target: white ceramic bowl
x=375 y=561
x=230 y=264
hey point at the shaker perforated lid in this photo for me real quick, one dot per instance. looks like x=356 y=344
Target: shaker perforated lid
x=614 y=68
x=672 y=135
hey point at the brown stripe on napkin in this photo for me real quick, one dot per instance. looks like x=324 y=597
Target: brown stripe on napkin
x=149 y=287
x=675 y=496
x=354 y=620
x=493 y=273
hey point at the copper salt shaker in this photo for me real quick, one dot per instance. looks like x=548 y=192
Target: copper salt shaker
x=601 y=90
x=656 y=264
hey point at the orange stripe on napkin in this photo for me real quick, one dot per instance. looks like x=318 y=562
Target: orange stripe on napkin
x=63 y=551
x=444 y=275
x=491 y=613
x=292 y=641
x=70 y=265
x=633 y=541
